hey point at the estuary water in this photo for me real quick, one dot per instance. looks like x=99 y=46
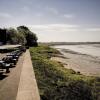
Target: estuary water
x=91 y=49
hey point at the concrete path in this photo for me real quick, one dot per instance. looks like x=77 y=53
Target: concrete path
x=28 y=89
x=9 y=85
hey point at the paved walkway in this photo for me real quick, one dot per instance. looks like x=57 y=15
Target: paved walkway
x=9 y=85
x=20 y=83
x=27 y=87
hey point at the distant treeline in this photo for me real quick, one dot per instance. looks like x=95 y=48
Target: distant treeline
x=68 y=43
x=22 y=35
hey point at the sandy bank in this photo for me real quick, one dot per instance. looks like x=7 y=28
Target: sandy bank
x=86 y=64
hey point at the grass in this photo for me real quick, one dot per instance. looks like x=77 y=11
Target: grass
x=58 y=83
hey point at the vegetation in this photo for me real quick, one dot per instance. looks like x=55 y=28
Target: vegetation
x=20 y=36
x=30 y=37
x=3 y=36
x=58 y=83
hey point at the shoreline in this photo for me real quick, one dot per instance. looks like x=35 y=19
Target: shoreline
x=85 y=64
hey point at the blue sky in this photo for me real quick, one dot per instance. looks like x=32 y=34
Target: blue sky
x=54 y=20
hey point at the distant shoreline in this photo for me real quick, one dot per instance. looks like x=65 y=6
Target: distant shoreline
x=68 y=43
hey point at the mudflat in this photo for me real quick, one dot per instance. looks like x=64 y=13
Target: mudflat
x=83 y=63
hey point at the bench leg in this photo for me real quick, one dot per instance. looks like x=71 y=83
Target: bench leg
x=7 y=70
x=14 y=63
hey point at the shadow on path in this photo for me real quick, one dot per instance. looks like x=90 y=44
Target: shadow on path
x=3 y=77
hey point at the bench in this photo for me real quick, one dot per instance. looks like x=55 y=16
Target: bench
x=4 y=65
x=10 y=59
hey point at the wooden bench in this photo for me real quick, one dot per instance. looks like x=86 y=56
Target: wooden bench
x=10 y=60
x=4 y=65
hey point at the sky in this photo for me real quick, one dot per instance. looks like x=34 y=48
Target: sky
x=54 y=20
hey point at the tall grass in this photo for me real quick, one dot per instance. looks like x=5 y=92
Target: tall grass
x=58 y=83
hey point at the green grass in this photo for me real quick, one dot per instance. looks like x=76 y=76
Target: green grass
x=58 y=83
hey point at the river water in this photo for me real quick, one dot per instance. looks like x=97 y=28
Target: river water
x=92 y=49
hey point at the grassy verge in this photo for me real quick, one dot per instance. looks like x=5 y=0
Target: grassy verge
x=57 y=83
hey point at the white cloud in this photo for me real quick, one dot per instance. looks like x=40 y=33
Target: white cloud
x=25 y=8
x=68 y=16
x=54 y=27
x=5 y=15
x=26 y=1
x=39 y=14
x=93 y=29
x=52 y=10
